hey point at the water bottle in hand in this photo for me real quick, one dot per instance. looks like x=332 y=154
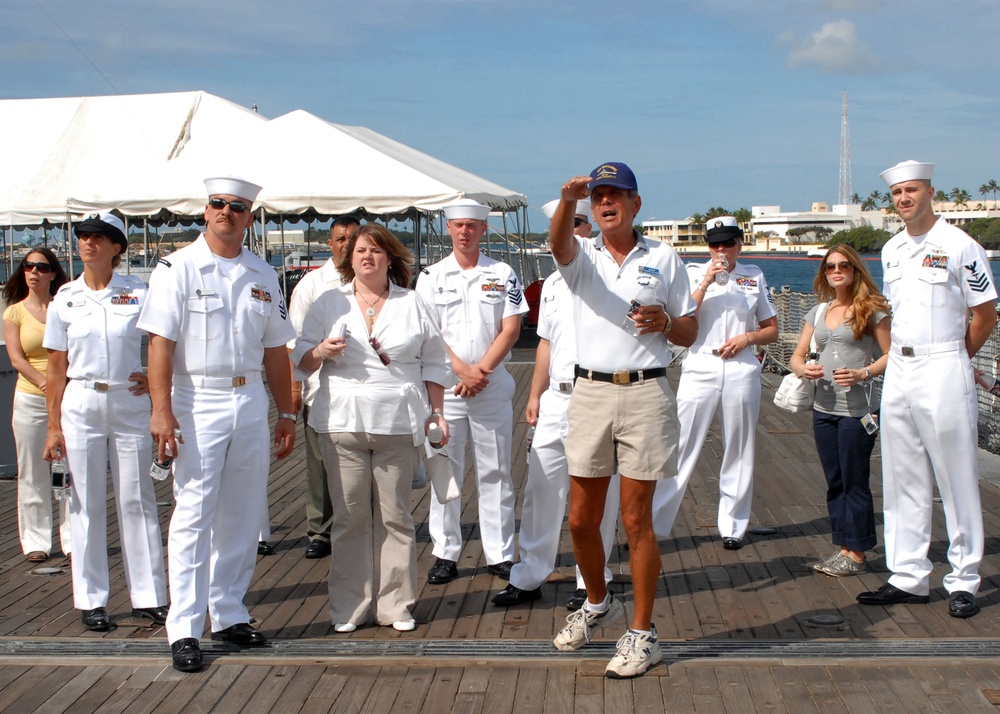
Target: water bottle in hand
x=435 y=434
x=646 y=296
x=61 y=479
x=722 y=277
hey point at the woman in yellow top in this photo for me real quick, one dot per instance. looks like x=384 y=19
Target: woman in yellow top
x=27 y=295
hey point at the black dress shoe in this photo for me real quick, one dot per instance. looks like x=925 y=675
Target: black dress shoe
x=962 y=604
x=186 y=654
x=96 y=619
x=264 y=548
x=891 y=595
x=241 y=634
x=513 y=595
x=731 y=543
x=443 y=571
x=158 y=615
x=317 y=549
x=501 y=570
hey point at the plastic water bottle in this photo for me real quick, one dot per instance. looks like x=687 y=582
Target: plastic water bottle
x=530 y=438
x=435 y=435
x=837 y=365
x=722 y=277
x=61 y=479
x=646 y=296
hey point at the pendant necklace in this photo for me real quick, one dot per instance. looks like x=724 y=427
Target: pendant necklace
x=370 y=311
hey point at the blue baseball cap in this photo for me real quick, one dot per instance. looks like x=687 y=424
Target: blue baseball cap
x=615 y=174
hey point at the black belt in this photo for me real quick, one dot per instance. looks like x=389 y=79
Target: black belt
x=623 y=377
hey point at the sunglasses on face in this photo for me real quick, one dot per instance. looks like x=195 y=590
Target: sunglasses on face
x=731 y=243
x=42 y=268
x=844 y=266
x=577 y=222
x=373 y=341
x=235 y=206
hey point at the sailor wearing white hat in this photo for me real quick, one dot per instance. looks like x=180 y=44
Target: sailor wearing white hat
x=721 y=380
x=479 y=302
x=936 y=278
x=547 y=486
x=215 y=314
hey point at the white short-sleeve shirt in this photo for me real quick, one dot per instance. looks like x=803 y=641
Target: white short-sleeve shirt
x=731 y=309
x=555 y=324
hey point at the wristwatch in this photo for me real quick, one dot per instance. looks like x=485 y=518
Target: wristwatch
x=868 y=376
x=288 y=415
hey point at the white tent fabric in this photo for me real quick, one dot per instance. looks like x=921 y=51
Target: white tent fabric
x=148 y=154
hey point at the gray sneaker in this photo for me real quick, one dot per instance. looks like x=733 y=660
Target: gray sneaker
x=833 y=556
x=582 y=623
x=844 y=566
x=636 y=653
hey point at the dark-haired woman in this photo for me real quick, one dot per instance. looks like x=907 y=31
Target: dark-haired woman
x=102 y=415
x=383 y=370
x=853 y=318
x=27 y=295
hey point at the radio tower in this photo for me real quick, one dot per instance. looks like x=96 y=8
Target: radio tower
x=844 y=196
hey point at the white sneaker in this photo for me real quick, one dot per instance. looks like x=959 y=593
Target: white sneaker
x=404 y=625
x=582 y=623
x=636 y=653
x=345 y=627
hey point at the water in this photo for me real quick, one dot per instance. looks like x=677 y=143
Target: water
x=798 y=273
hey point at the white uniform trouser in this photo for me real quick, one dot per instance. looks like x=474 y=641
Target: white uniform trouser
x=112 y=426
x=929 y=426
x=488 y=418
x=34 y=482
x=545 y=499
x=728 y=390
x=220 y=482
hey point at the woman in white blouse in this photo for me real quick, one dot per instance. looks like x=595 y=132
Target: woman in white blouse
x=383 y=370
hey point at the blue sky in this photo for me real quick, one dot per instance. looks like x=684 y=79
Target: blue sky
x=711 y=102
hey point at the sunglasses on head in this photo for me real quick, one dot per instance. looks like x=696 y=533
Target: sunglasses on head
x=373 y=341
x=843 y=265
x=40 y=267
x=234 y=206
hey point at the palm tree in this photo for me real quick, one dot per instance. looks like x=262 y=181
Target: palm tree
x=744 y=216
x=855 y=198
x=960 y=197
x=990 y=186
x=873 y=201
x=940 y=197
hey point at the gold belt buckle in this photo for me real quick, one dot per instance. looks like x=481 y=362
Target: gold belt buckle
x=101 y=386
x=620 y=377
x=907 y=351
x=239 y=381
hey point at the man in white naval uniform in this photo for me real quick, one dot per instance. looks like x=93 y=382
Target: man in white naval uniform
x=479 y=302
x=547 y=486
x=721 y=380
x=940 y=286
x=319 y=510
x=215 y=314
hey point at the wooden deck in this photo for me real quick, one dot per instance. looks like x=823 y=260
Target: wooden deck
x=748 y=630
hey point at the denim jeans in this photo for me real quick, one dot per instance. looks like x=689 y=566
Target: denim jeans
x=845 y=450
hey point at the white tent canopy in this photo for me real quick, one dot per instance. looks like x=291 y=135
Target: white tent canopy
x=148 y=154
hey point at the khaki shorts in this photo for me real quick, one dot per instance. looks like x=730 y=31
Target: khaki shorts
x=631 y=428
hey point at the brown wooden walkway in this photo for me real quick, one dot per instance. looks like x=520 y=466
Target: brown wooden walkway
x=737 y=627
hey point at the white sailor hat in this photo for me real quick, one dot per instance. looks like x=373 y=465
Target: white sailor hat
x=465 y=208
x=721 y=229
x=907 y=171
x=104 y=223
x=582 y=209
x=232 y=186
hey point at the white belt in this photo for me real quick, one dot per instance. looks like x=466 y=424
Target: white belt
x=103 y=386
x=913 y=351
x=197 y=380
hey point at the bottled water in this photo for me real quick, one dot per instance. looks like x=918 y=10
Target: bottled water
x=646 y=296
x=435 y=435
x=531 y=438
x=722 y=277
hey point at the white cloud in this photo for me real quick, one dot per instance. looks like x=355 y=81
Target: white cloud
x=835 y=47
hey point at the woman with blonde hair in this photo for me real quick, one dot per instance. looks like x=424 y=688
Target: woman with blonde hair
x=847 y=324
x=27 y=296
x=383 y=370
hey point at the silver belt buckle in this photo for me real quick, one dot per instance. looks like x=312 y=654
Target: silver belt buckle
x=565 y=387
x=239 y=381
x=907 y=351
x=101 y=386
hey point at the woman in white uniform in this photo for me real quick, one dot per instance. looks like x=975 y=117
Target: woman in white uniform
x=721 y=380
x=102 y=415
x=383 y=370
x=27 y=295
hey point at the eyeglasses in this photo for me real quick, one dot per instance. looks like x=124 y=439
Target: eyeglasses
x=577 y=221
x=731 y=243
x=373 y=341
x=42 y=268
x=843 y=265
x=235 y=206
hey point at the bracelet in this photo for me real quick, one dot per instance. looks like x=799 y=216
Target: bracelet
x=699 y=287
x=288 y=415
x=437 y=412
x=670 y=322
x=868 y=376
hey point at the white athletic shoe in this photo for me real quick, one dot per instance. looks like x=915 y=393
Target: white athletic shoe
x=636 y=653
x=582 y=623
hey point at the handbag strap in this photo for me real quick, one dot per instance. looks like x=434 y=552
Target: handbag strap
x=820 y=314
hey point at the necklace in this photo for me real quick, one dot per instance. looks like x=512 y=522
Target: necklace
x=370 y=311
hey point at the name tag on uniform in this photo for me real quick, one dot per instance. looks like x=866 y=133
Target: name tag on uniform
x=259 y=293
x=936 y=260
x=205 y=292
x=649 y=270
x=76 y=303
x=124 y=299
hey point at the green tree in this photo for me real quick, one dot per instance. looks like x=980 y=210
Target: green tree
x=864 y=239
x=990 y=186
x=986 y=231
x=855 y=198
x=697 y=219
x=960 y=197
x=873 y=202
x=940 y=197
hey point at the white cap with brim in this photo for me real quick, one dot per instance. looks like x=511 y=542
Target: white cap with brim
x=721 y=229
x=232 y=186
x=907 y=171
x=104 y=223
x=582 y=209
x=465 y=208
